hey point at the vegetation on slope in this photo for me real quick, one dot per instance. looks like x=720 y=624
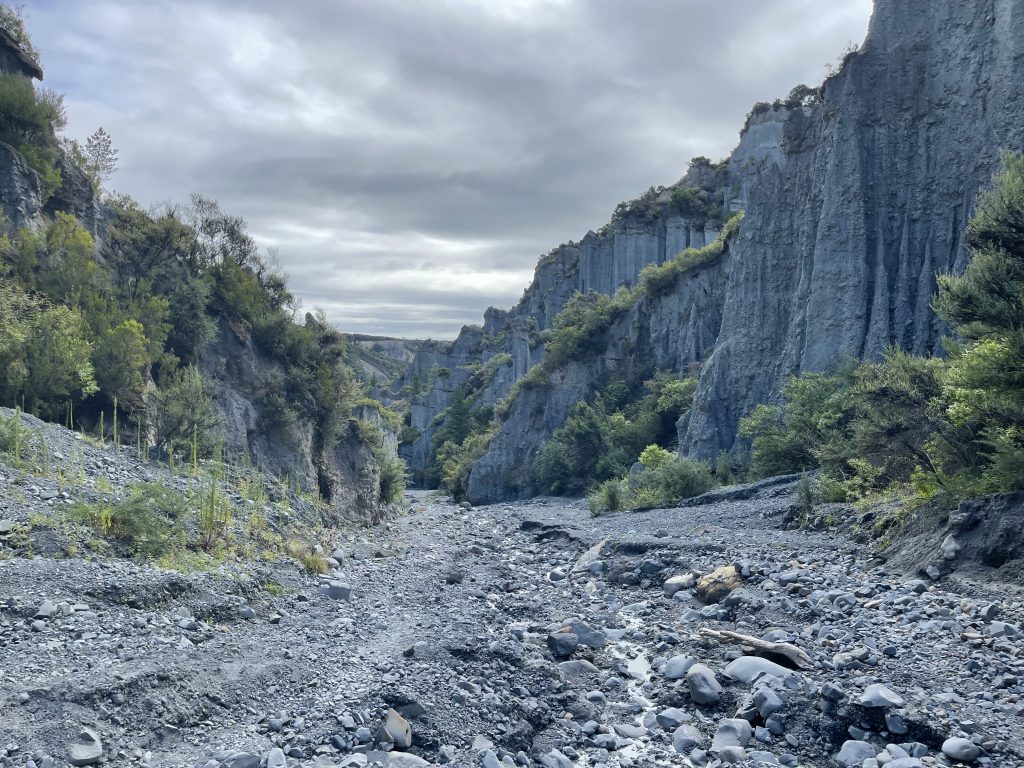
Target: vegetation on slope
x=602 y=438
x=89 y=330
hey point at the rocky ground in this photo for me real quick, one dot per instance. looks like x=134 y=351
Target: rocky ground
x=519 y=634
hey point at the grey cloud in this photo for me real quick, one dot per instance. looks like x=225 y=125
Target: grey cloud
x=390 y=149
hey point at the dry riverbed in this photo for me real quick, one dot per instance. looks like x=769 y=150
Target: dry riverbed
x=517 y=634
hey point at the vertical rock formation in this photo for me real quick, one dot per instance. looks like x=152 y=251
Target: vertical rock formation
x=854 y=205
x=855 y=197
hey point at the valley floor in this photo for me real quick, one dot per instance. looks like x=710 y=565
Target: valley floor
x=450 y=621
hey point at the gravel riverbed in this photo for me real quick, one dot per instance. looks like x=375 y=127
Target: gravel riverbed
x=516 y=634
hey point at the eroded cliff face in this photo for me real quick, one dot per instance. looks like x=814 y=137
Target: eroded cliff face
x=659 y=333
x=21 y=201
x=854 y=201
x=645 y=231
x=854 y=205
x=21 y=196
x=345 y=474
x=861 y=202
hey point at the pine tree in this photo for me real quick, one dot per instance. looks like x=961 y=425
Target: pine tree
x=100 y=156
x=985 y=306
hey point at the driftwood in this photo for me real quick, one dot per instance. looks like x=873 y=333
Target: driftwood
x=786 y=650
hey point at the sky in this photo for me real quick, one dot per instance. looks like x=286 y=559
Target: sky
x=411 y=160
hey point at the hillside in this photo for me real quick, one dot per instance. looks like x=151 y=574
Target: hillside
x=168 y=323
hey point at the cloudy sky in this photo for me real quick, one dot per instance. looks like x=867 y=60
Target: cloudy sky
x=411 y=159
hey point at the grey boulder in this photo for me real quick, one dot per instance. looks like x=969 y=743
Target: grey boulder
x=704 y=686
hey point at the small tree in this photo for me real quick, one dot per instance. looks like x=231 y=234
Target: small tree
x=100 y=156
x=985 y=307
x=182 y=414
x=121 y=358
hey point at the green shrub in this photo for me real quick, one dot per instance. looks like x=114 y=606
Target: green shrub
x=182 y=414
x=28 y=120
x=394 y=478
x=677 y=480
x=307 y=556
x=408 y=435
x=457 y=461
x=580 y=327
x=12 y=20
x=150 y=522
x=663 y=486
x=606 y=497
x=15 y=438
x=602 y=439
x=655 y=457
x=791 y=437
x=44 y=353
x=276 y=415
x=121 y=358
x=660 y=279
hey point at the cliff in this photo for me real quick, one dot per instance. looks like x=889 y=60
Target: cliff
x=344 y=470
x=854 y=205
x=855 y=195
x=344 y=474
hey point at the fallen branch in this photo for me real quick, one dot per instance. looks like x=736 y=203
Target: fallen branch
x=787 y=650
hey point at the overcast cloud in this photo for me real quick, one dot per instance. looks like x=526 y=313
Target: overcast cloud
x=412 y=159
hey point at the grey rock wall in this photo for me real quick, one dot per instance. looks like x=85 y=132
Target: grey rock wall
x=346 y=473
x=20 y=196
x=658 y=334
x=853 y=205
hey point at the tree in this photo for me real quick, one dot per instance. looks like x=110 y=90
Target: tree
x=182 y=414
x=985 y=307
x=44 y=352
x=121 y=358
x=100 y=156
x=12 y=21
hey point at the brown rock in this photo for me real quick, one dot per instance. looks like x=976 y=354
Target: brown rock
x=714 y=586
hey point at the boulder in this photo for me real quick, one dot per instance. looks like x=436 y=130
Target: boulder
x=714 y=586
x=398 y=730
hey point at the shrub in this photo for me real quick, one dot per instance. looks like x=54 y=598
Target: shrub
x=580 y=327
x=660 y=279
x=44 y=353
x=600 y=440
x=676 y=480
x=655 y=457
x=394 y=478
x=786 y=438
x=663 y=486
x=149 y=522
x=606 y=497
x=121 y=358
x=457 y=461
x=275 y=413
x=28 y=120
x=311 y=560
x=408 y=435
x=13 y=23
x=182 y=413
